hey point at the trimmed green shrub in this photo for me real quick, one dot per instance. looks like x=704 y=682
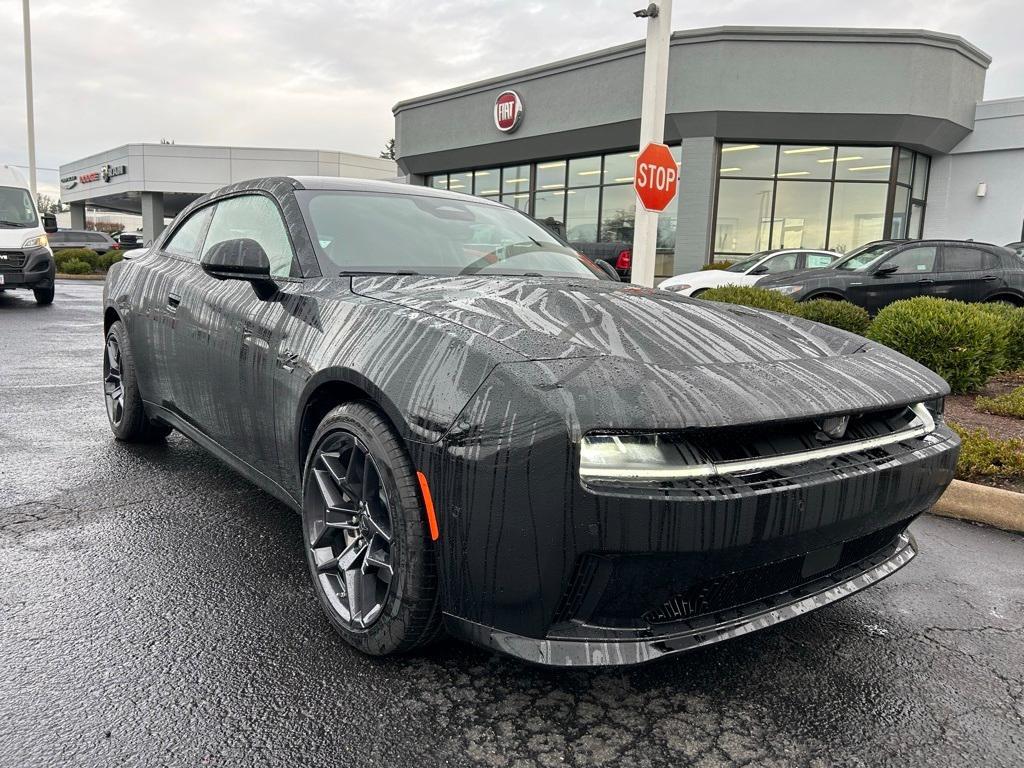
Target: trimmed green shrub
x=838 y=314
x=76 y=267
x=960 y=342
x=748 y=296
x=108 y=259
x=1010 y=404
x=1013 y=317
x=984 y=456
x=66 y=255
x=718 y=265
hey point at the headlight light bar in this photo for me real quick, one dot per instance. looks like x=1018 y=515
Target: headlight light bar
x=654 y=457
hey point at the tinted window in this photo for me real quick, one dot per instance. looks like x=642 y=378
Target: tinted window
x=58 y=237
x=93 y=237
x=781 y=263
x=185 y=241
x=913 y=260
x=961 y=259
x=254 y=217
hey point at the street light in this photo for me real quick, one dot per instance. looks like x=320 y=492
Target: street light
x=28 y=99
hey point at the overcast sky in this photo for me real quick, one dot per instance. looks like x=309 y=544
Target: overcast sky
x=325 y=73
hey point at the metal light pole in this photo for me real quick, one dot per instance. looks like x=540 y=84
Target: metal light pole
x=652 y=128
x=28 y=100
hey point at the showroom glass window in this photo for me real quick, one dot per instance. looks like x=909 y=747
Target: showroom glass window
x=815 y=196
x=585 y=199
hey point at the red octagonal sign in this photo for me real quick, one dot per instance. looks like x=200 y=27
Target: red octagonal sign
x=656 y=177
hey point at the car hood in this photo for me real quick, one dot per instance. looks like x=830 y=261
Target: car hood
x=796 y=275
x=623 y=355
x=550 y=319
x=13 y=237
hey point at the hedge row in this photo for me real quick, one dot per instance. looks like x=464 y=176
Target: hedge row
x=838 y=314
x=966 y=344
x=83 y=261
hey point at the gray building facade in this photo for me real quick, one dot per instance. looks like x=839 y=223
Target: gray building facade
x=786 y=137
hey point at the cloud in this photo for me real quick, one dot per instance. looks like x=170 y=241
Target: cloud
x=313 y=73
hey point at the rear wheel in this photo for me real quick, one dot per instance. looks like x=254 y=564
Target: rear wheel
x=43 y=296
x=366 y=538
x=128 y=420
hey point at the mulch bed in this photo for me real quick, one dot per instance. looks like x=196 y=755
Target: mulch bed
x=960 y=408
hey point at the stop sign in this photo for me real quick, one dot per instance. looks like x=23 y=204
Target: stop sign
x=656 y=177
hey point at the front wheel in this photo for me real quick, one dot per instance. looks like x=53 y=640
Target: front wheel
x=128 y=420
x=366 y=536
x=43 y=296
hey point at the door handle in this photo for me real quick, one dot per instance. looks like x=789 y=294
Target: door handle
x=989 y=278
x=925 y=281
x=173 y=300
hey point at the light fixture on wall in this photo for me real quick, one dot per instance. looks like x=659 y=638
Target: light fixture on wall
x=982 y=189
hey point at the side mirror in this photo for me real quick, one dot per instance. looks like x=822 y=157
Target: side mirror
x=761 y=270
x=49 y=223
x=608 y=269
x=885 y=270
x=241 y=259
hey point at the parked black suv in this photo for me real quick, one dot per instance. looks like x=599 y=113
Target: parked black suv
x=888 y=271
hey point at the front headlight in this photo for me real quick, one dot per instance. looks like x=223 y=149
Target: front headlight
x=677 y=287
x=38 y=241
x=788 y=290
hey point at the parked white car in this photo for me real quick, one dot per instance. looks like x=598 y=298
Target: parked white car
x=749 y=271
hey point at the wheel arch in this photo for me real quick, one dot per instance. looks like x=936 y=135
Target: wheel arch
x=332 y=387
x=825 y=293
x=110 y=316
x=1007 y=296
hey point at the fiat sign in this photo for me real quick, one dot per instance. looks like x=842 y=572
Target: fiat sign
x=656 y=177
x=508 y=111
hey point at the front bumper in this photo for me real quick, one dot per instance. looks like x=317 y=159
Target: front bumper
x=26 y=268
x=564 y=649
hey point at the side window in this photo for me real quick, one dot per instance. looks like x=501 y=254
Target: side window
x=257 y=218
x=782 y=263
x=185 y=241
x=958 y=258
x=913 y=260
x=817 y=260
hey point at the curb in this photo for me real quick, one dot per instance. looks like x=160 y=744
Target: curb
x=982 y=504
x=94 y=278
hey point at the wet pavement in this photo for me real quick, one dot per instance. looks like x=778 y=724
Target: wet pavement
x=154 y=610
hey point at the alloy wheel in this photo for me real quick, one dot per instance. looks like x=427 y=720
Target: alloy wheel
x=349 y=531
x=113 y=384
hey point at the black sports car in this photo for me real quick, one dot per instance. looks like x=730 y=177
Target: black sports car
x=485 y=434
x=890 y=270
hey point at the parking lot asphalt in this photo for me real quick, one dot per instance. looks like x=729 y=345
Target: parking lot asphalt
x=155 y=610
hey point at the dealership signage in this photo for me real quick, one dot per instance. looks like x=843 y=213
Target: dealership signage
x=105 y=173
x=508 y=111
x=655 y=177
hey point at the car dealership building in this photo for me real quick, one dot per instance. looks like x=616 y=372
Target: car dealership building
x=786 y=137
x=159 y=180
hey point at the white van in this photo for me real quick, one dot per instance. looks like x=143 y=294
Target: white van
x=26 y=260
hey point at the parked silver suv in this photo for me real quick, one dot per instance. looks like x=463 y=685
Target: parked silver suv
x=100 y=242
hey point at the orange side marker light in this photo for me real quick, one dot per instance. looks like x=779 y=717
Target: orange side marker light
x=429 y=502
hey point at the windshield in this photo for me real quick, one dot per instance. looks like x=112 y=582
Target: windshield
x=418 y=234
x=16 y=209
x=743 y=266
x=864 y=258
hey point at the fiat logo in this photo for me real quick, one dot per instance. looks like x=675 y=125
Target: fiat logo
x=508 y=111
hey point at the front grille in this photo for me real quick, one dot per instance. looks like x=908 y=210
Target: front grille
x=736 y=589
x=12 y=261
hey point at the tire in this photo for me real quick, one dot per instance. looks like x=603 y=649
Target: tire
x=128 y=420
x=43 y=296
x=378 y=609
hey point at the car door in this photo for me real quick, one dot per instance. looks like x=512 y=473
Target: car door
x=967 y=273
x=234 y=335
x=152 y=330
x=905 y=274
